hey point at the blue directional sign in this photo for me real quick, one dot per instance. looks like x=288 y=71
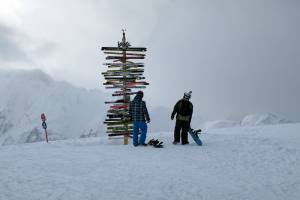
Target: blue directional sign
x=44 y=125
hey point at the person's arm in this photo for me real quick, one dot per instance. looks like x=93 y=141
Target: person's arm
x=130 y=111
x=175 y=110
x=191 y=111
x=146 y=111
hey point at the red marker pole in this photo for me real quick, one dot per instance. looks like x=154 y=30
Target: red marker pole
x=46 y=135
x=43 y=117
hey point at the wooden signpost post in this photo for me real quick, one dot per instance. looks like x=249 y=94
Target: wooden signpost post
x=124 y=75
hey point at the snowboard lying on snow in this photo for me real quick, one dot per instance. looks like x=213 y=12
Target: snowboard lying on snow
x=195 y=136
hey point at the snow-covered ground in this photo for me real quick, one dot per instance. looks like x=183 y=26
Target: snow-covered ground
x=235 y=163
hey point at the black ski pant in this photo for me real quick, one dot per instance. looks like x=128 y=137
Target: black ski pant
x=183 y=127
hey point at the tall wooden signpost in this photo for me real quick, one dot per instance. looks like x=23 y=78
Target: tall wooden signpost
x=124 y=75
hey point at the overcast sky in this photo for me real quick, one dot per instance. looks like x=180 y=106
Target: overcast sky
x=237 y=56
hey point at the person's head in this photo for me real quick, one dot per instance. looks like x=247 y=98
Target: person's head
x=187 y=95
x=140 y=94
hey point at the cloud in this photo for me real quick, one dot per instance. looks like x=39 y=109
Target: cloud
x=10 y=50
x=21 y=50
x=238 y=57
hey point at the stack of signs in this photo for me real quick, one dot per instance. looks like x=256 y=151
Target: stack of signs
x=125 y=76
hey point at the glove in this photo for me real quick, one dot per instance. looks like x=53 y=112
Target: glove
x=172 y=117
x=129 y=118
x=148 y=121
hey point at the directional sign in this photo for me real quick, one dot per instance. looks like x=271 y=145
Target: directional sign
x=44 y=125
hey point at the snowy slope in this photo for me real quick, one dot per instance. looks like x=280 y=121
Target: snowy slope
x=221 y=124
x=249 y=120
x=71 y=112
x=254 y=163
x=263 y=119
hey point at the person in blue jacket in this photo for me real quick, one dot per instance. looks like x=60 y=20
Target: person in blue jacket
x=138 y=113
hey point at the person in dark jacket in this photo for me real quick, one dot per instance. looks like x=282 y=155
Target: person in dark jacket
x=138 y=113
x=184 y=111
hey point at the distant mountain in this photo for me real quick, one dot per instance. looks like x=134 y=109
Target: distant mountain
x=221 y=124
x=249 y=120
x=74 y=112
x=71 y=112
x=263 y=119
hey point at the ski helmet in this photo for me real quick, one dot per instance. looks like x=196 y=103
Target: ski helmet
x=187 y=95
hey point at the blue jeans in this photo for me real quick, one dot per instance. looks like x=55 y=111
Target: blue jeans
x=139 y=125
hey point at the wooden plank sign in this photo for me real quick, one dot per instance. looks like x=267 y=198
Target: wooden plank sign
x=124 y=75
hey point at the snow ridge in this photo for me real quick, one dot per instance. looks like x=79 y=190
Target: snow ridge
x=249 y=120
x=71 y=112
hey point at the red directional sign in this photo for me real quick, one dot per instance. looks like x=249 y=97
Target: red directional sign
x=43 y=117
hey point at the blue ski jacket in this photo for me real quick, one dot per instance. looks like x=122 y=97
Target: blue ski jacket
x=138 y=110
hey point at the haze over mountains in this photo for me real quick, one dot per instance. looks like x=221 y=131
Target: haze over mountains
x=71 y=112
x=75 y=112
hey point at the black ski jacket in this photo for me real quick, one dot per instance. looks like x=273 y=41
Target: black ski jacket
x=184 y=110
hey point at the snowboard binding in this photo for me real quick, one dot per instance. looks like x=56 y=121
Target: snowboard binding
x=196 y=132
x=155 y=143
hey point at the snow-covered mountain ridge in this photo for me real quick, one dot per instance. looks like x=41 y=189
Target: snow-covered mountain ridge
x=249 y=120
x=72 y=112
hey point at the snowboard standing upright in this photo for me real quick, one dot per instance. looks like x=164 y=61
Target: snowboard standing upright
x=195 y=136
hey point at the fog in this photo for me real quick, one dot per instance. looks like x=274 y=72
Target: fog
x=238 y=57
